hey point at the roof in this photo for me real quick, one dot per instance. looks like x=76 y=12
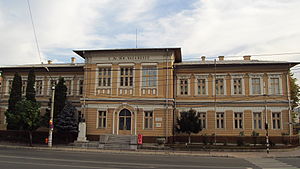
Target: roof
x=43 y=65
x=177 y=51
x=235 y=62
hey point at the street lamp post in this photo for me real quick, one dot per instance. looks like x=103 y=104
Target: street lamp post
x=51 y=118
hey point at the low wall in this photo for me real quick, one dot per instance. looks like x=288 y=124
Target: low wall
x=38 y=137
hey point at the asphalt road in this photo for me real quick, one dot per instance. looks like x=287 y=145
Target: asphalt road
x=11 y=158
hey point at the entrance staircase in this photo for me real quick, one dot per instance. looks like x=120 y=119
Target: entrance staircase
x=118 y=142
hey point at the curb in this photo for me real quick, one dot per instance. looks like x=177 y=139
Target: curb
x=165 y=152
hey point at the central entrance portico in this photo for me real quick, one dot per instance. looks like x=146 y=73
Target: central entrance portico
x=125 y=118
x=124 y=122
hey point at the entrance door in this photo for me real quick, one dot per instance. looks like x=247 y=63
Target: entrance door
x=125 y=122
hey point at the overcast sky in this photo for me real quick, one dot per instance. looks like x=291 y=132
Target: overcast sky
x=199 y=27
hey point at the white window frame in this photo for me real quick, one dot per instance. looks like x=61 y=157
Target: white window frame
x=275 y=75
x=106 y=115
x=243 y=120
x=141 y=75
x=71 y=79
x=201 y=76
x=262 y=120
x=219 y=76
x=153 y=119
x=188 y=78
x=49 y=84
x=78 y=86
x=7 y=79
x=260 y=76
x=203 y=112
x=97 y=76
x=281 y=126
x=224 y=120
x=237 y=76
x=133 y=75
x=43 y=85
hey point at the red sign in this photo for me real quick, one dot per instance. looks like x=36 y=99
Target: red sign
x=140 y=139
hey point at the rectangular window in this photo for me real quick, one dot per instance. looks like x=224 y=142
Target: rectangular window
x=202 y=118
x=104 y=77
x=24 y=85
x=39 y=87
x=237 y=86
x=257 y=120
x=201 y=86
x=220 y=120
x=148 y=119
x=184 y=88
x=80 y=87
x=256 y=89
x=276 y=122
x=101 y=119
x=69 y=86
x=126 y=77
x=219 y=86
x=274 y=86
x=238 y=120
x=149 y=76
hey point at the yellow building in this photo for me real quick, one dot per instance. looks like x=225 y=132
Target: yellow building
x=143 y=91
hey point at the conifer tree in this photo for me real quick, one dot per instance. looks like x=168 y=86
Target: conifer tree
x=60 y=97
x=66 y=121
x=30 y=91
x=14 y=97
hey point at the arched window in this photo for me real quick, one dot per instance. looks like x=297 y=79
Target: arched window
x=125 y=120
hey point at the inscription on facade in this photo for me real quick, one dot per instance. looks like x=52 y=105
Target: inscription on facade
x=122 y=58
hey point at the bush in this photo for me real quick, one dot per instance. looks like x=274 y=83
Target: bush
x=254 y=136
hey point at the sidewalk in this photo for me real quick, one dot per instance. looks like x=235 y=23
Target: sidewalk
x=295 y=152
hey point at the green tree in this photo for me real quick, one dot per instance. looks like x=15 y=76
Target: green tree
x=188 y=123
x=29 y=115
x=30 y=91
x=294 y=90
x=14 y=97
x=66 y=121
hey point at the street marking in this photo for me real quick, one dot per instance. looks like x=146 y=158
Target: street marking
x=151 y=165
x=57 y=165
x=270 y=163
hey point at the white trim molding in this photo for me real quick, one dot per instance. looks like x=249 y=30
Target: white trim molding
x=237 y=76
x=275 y=75
x=219 y=76
x=256 y=75
x=184 y=77
x=201 y=76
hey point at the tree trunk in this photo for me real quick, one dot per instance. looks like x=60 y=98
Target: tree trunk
x=30 y=138
x=189 y=138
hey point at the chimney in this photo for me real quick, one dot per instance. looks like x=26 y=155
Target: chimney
x=73 y=60
x=247 y=57
x=221 y=57
x=203 y=58
x=49 y=61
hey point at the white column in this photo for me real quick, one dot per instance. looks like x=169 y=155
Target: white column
x=117 y=124
x=113 y=123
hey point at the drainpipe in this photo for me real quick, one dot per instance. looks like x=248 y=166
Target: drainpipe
x=167 y=95
x=289 y=100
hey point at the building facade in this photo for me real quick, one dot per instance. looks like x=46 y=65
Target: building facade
x=143 y=91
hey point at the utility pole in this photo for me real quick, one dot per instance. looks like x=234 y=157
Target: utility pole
x=51 y=126
x=266 y=126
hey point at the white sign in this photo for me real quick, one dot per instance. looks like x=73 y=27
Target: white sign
x=158 y=125
x=158 y=119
